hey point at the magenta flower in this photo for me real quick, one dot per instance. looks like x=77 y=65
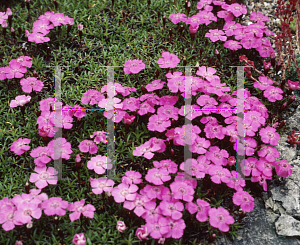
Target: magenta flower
x=26 y=211
x=19 y=146
x=102 y=184
x=202 y=207
x=176 y=228
x=158 y=142
x=158 y=228
x=137 y=204
x=55 y=206
x=142 y=233
x=128 y=119
x=79 y=239
x=100 y=136
x=121 y=226
x=217 y=156
x=168 y=100
x=226 y=15
x=146 y=149
x=42 y=26
x=168 y=165
x=38 y=37
x=269 y=136
x=57 y=19
x=99 y=163
x=64 y=123
x=133 y=66
x=153 y=191
x=23 y=61
x=31 y=83
x=236 y=181
x=219 y=174
x=220 y=218
x=214 y=131
x=283 y=168
x=262 y=180
x=200 y=145
x=2 y=73
x=3 y=17
x=131 y=104
x=255 y=117
x=292 y=85
x=145 y=108
x=152 y=213
x=155 y=85
x=264 y=83
x=47 y=129
x=172 y=209
x=132 y=177
x=124 y=191
x=250 y=167
x=265 y=51
x=78 y=208
x=60 y=148
x=158 y=123
x=41 y=154
x=207 y=17
x=182 y=191
x=268 y=152
x=157 y=176
x=233 y=45
x=258 y=16
x=15 y=70
x=169 y=60
x=79 y=112
x=193 y=29
x=264 y=166
x=8 y=217
x=80 y=27
x=243 y=199
x=46 y=16
x=205 y=4
x=88 y=146
x=273 y=93
x=43 y=177
x=194 y=20
x=110 y=104
x=215 y=35
x=236 y=9
x=208 y=73
x=176 y=18
x=92 y=97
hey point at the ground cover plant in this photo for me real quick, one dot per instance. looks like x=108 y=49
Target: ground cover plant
x=151 y=204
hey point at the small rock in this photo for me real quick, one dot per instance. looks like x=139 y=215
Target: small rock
x=287 y=226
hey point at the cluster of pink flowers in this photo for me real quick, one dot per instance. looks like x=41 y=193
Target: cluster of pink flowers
x=21 y=209
x=44 y=24
x=4 y=17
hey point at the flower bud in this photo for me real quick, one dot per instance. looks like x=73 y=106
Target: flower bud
x=55 y=3
x=144 y=91
x=180 y=30
x=8 y=12
x=164 y=21
x=170 y=32
x=157 y=73
x=78 y=158
x=188 y=8
x=231 y=161
x=12 y=31
x=29 y=224
x=184 y=62
x=158 y=15
x=27 y=188
x=172 y=152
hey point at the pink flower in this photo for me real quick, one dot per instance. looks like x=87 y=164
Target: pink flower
x=264 y=83
x=215 y=35
x=172 y=209
x=176 y=228
x=205 y=4
x=255 y=117
x=265 y=51
x=26 y=211
x=283 y=168
x=292 y=85
x=43 y=177
x=249 y=41
x=88 y=146
x=79 y=239
x=80 y=27
x=194 y=20
x=169 y=165
x=4 y=24
x=20 y=101
x=2 y=73
x=15 y=70
x=155 y=85
x=79 y=208
x=262 y=180
x=201 y=208
x=214 y=131
x=102 y=184
x=92 y=97
x=128 y=119
x=161 y=240
x=110 y=104
x=57 y=19
x=264 y=166
x=157 y=176
x=132 y=177
x=121 y=226
x=38 y=37
x=42 y=26
x=55 y=206
x=124 y=191
x=269 y=136
x=176 y=18
x=250 y=166
x=226 y=15
x=141 y=233
x=47 y=129
x=146 y=149
x=200 y=146
x=236 y=181
x=19 y=242
x=182 y=191
x=237 y=9
x=207 y=73
x=220 y=218
x=243 y=199
x=273 y=93
x=258 y=16
x=133 y=66
x=41 y=154
x=31 y=83
x=152 y=213
x=64 y=123
x=207 y=17
x=69 y=20
x=19 y=147
x=219 y=174
x=131 y=104
x=23 y=61
x=46 y=16
x=268 y=152
x=169 y=61
x=137 y=204
x=158 y=228
x=100 y=136
x=60 y=148
x=158 y=123
x=217 y=156
x=233 y=45
x=99 y=163
x=8 y=217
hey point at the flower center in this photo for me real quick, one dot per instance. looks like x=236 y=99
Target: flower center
x=159 y=122
x=157 y=175
x=133 y=64
x=54 y=205
x=220 y=217
x=44 y=175
x=124 y=192
x=246 y=199
x=182 y=190
x=99 y=163
x=199 y=209
x=220 y=173
x=218 y=155
x=80 y=209
x=157 y=227
x=237 y=7
x=10 y=216
x=101 y=185
x=271 y=135
x=15 y=70
x=27 y=212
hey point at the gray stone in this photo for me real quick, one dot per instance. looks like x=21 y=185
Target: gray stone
x=287 y=226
